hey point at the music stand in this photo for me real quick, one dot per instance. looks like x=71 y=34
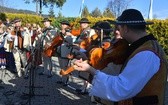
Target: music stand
x=31 y=61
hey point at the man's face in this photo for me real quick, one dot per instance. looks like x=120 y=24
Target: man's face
x=121 y=30
x=84 y=25
x=46 y=23
x=18 y=24
x=64 y=26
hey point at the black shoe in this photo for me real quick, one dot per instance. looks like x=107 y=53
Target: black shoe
x=59 y=82
x=16 y=76
x=49 y=76
x=65 y=84
x=26 y=77
x=79 y=91
x=41 y=73
x=1 y=81
x=84 y=93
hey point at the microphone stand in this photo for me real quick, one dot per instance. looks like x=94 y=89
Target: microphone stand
x=31 y=61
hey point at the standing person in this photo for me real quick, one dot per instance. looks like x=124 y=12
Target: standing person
x=86 y=31
x=19 y=52
x=2 y=49
x=65 y=49
x=37 y=46
x=10 y=63
x=80 y=51
x=143 y=76
x=46 y=41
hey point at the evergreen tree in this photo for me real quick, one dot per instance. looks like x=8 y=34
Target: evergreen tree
x=51 y=3
x=60 y=15
x=51 y=12
x=85 y=12
x=107 y=13
x=96 y=13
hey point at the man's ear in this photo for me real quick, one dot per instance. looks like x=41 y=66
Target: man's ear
x=126 y=29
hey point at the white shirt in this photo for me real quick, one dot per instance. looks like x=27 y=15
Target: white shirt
x=130 y=82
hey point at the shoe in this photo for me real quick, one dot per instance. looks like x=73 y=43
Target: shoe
x=1 y=81
x=49 y=76
x=84 y=93
x=65 y=84
x=41 y=73
x=59 y=82
x=26 y=77
x=16 y=76
x=13 y=71
x=79 y=91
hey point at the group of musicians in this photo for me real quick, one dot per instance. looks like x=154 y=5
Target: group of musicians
x=90 y=49
x=21 y=41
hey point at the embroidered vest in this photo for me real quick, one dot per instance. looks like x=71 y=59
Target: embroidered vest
x=157 y=84
x=20 y=39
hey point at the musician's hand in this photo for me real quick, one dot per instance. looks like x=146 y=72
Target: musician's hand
x=68 y=34
x=70 y=56
x=81 y=65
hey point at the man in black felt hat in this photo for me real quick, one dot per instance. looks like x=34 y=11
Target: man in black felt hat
x=64 y=50
x=17 y=47
x=65 y=22
x=47 y=37
x=143 y=77
x=46 y=20
x=86 y=30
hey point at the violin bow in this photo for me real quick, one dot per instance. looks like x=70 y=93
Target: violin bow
x=101 y=37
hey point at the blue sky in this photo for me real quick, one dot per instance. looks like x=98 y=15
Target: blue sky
x=71 y=7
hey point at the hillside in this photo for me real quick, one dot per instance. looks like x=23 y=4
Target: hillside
x=11 y=10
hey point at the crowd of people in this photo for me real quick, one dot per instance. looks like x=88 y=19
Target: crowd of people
x=121 y=65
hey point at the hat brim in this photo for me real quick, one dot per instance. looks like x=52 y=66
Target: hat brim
x=131 y=23
x=85 y=22
x=46 y=21
x=16 y=21
x=65 y=23
x=108 y=30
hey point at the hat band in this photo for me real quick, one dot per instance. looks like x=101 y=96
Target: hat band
x=125 y=22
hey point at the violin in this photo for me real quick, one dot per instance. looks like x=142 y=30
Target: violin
x=57 y=41
x=99 y=57
x=76 y=32
x=89 y=42
x=86 y=44
x=69 y=70
x=116 y=54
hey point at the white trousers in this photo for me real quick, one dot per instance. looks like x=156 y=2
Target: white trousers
x=47 y=63
x=20 y=59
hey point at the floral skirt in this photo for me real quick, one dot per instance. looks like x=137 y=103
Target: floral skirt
x=2 y=57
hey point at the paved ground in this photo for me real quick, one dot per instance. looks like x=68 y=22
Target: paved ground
x=55 y=94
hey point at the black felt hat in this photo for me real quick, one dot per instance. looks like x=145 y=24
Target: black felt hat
x=16 y=20
x=103 y=25
x=84 y=20
x=131 y=17
x=46 y=20
x=65 y=22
